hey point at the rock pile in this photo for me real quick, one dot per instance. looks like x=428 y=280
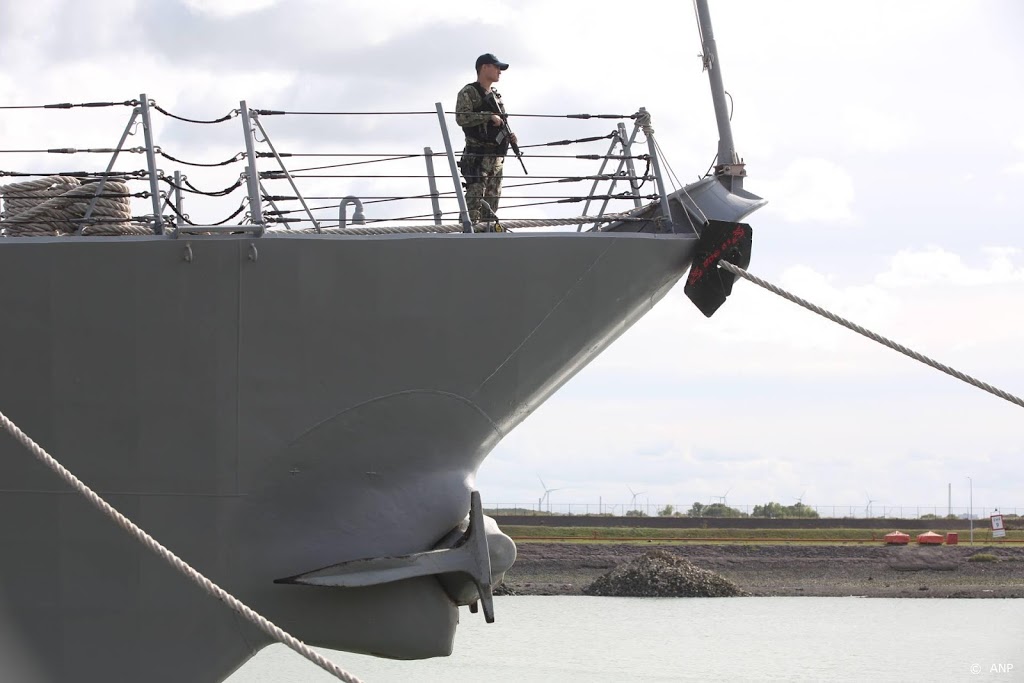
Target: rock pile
x=660 y=574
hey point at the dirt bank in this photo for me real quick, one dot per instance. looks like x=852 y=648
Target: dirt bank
x=789 y=570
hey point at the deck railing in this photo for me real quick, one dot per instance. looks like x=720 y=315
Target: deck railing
x=274 y=190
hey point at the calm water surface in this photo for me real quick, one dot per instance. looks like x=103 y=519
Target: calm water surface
x=727 y=639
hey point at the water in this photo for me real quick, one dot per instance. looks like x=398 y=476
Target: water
x=736 y=639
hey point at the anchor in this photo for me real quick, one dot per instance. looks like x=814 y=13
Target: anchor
x=468 y=564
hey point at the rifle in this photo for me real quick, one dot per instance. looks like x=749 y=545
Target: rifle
x=507 y=132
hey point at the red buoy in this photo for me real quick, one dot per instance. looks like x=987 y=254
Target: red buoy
x=897 y=538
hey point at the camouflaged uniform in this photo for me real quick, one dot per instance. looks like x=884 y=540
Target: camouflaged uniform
x=484 y=155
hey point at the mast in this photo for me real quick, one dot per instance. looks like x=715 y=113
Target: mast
x=729 y=169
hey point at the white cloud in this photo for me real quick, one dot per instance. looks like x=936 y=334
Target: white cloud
x=815 y=190
x=867 y=129
x=900 y=441
x=356 y=22
x=755 y=316
x=224 y=9
x=935 y=265
x=941 y=308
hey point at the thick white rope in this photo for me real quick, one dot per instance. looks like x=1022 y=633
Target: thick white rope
x=52 y=206
x=456 y=227
x=736 y=270
x=56 y=201
x=193 y=575
x=52 y=186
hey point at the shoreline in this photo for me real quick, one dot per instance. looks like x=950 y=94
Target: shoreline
x=788 y=570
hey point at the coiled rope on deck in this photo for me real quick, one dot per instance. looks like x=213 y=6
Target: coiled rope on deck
x=56 y=205
x=189 y=572
x=984 y=386
x=20 y=198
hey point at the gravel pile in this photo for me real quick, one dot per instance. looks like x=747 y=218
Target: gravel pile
x=660 y=574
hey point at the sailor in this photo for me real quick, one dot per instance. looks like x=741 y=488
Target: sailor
x=479 y=110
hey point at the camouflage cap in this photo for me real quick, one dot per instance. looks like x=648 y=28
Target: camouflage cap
x=489 y=58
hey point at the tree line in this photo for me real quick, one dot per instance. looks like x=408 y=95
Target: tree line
x=771 y=510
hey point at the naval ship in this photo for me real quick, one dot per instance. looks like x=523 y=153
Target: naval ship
x=297 y=411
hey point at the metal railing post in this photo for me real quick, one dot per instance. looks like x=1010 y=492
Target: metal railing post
x=280 y=162
x=428 y=154
x=600 y=171
x=106 y=174
x=627 y=160
x=252 y=180
x=467 y=226
x=627 y=147
x=645 y=121
x=179 y=200
x=154 y=181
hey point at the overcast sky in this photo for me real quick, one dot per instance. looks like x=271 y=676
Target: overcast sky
x=887 y=137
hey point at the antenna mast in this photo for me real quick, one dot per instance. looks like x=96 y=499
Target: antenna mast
x=729 y=169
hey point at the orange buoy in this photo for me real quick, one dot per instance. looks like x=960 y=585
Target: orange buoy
x=897 y=538
x=930 y=538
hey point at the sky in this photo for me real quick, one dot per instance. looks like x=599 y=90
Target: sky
x=887 y=137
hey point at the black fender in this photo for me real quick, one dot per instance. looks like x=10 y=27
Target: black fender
x=707 y=285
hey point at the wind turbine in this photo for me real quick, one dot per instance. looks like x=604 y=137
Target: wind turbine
x=546 y=497
x=632 y=503
x=722 y=498
x=800 y=500
x=867 y=510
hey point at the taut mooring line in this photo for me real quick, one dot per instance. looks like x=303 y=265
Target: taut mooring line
x=736 y=270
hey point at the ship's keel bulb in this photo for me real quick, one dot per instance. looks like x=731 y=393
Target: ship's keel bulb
x=469 y=562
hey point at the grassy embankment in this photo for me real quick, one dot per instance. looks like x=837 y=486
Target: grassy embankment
x=549 y=534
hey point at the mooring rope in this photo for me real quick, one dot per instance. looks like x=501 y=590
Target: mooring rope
x=736 y=270
x=55 y=205
x=190 y=573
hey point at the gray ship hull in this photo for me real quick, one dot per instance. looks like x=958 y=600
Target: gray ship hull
x=265 y=407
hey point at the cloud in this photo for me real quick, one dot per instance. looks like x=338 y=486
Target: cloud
x=935 y=265
x=955 y=315
x=865 y=129
x=899 y=441
x=225 y=9
x=26 y=30
x=811 y=189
